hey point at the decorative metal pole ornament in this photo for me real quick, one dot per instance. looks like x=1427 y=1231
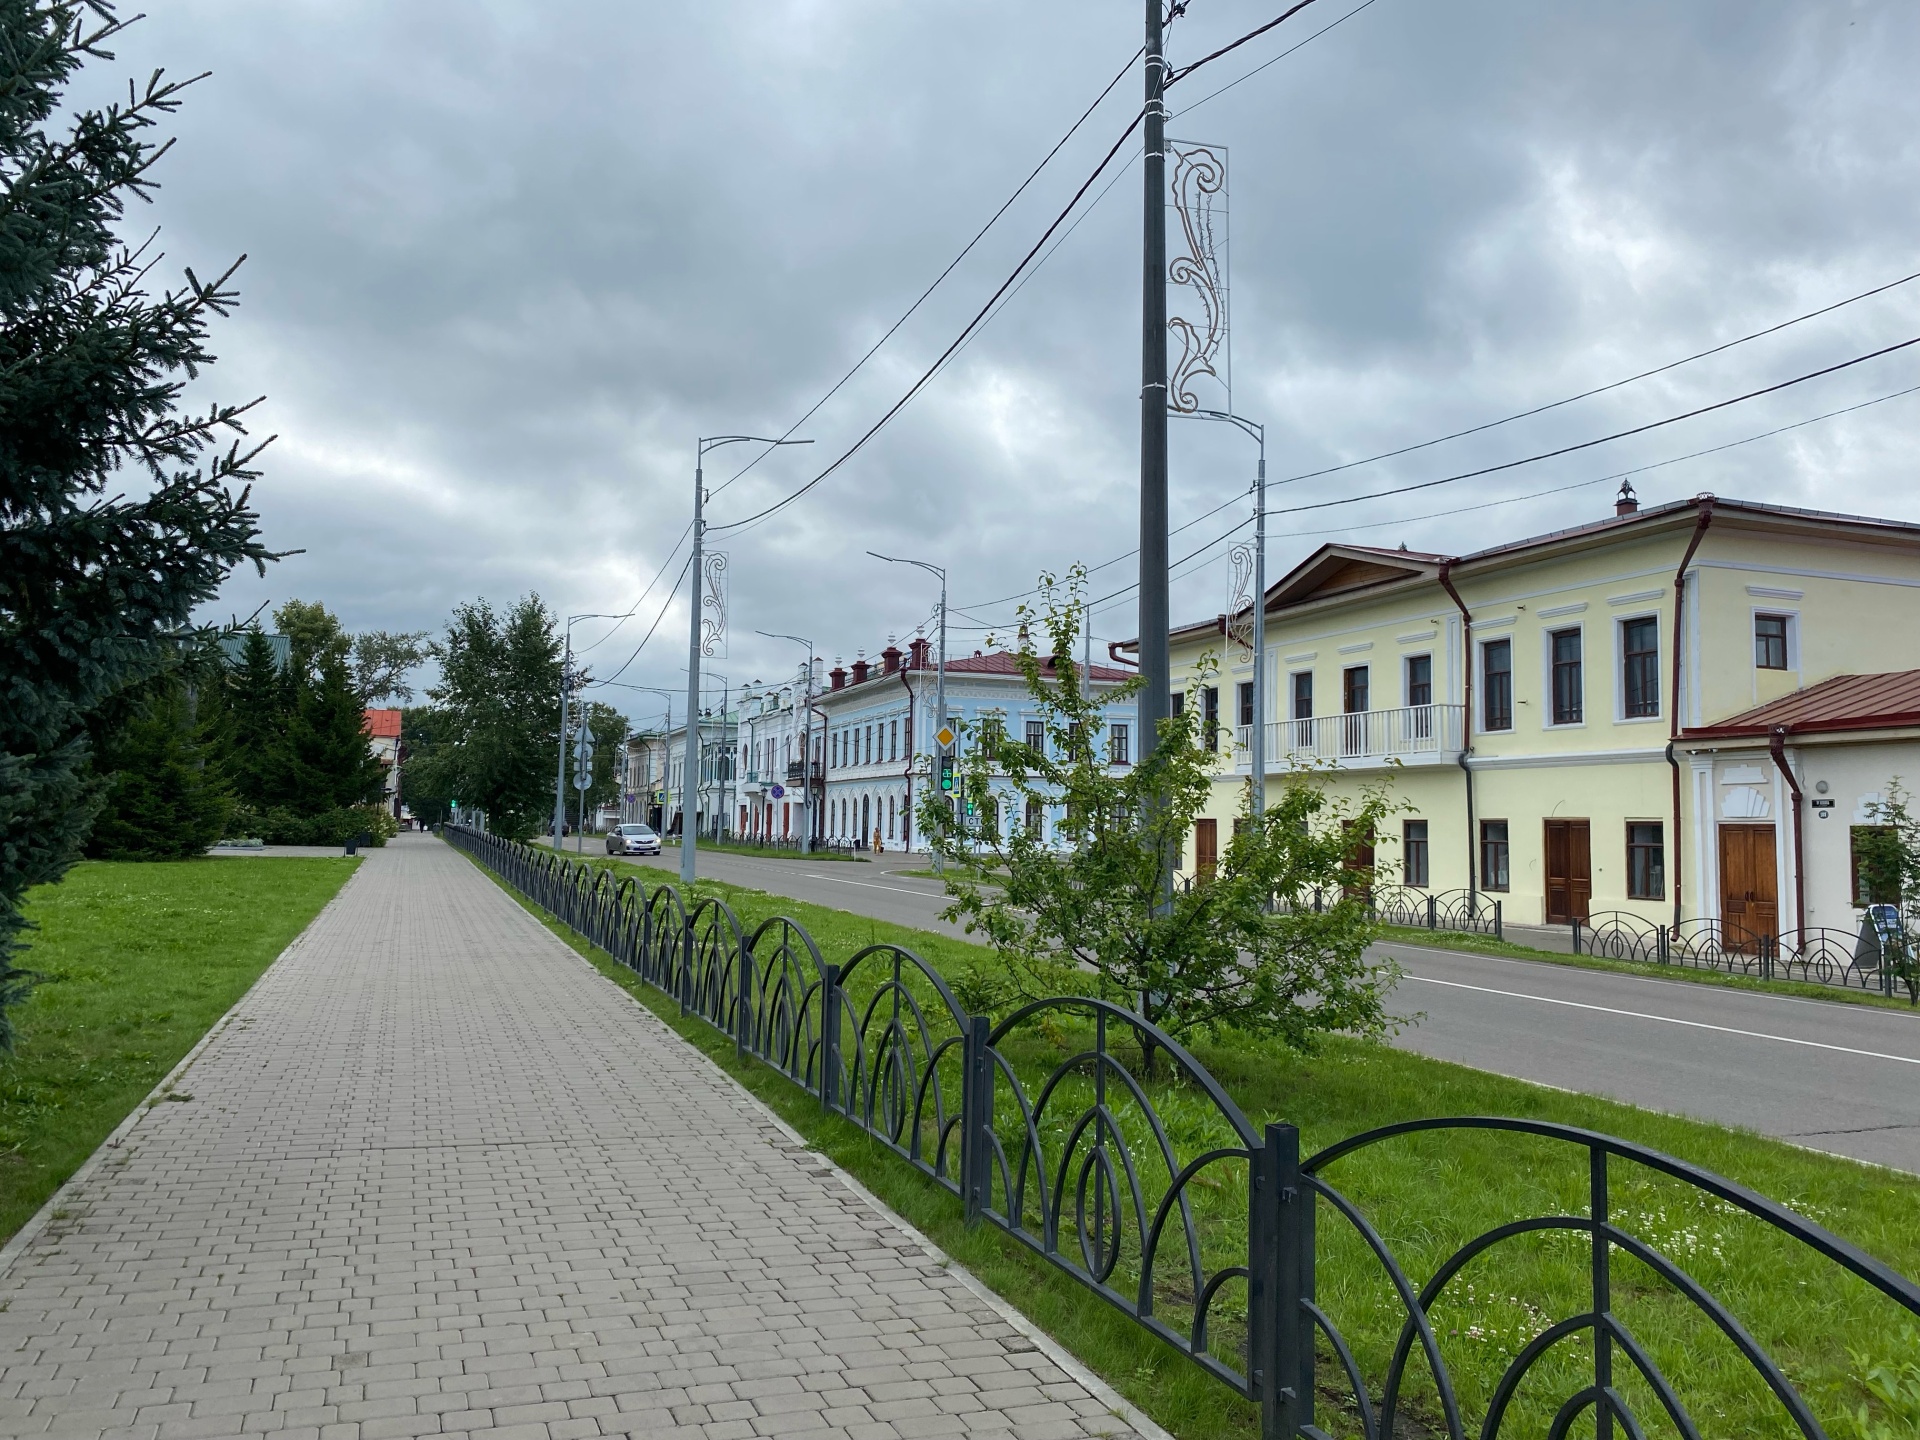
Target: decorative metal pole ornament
x=713 y=606
x=1240 y=608
x=1199 y=313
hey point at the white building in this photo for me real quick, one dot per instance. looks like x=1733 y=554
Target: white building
x=775 y=732
x=654 y=775
x=878 y=724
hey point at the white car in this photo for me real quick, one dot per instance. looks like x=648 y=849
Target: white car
x=632 y=840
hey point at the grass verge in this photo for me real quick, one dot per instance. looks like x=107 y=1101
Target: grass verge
x=139 y=960
x=1429 y=1195
x=1682 y=974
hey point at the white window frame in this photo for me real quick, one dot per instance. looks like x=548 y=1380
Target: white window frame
x=1547 y=722
x=1406 y=677
x=1478 y=722
x=1661 y=678
x=1792 y=617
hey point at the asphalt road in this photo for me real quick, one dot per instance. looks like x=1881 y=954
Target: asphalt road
x=1844 y=1078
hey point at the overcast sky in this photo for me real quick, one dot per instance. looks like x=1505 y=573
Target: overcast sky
x=507 y=262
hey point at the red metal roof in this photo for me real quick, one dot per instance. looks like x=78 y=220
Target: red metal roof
x=383 y=724
x=1845 y=702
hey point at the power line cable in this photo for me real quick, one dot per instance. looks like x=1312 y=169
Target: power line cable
x=1181 y=72
x=665 y=605
x=958 y=341
x=1603 y=389
x=1274 y=61
x=643 y=594
x=952 y=265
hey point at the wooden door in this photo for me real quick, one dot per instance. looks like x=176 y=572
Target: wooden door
x=1749 y=894
x=1206 y=849
x=1569 y=870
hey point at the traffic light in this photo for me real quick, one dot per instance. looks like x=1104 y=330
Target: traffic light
x=946 y=773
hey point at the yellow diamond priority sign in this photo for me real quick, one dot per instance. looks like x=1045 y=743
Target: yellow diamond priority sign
x=945 y=735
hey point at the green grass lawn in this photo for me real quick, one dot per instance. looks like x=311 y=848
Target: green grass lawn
x=139 y=960
x=1428 y=1195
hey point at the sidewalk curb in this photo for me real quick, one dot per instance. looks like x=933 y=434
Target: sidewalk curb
x=23 y=1238
x=1099 y=1389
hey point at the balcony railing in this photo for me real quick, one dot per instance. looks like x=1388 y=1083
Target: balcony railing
x=1433 y=732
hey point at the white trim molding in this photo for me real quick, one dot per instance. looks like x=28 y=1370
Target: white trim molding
x=1359 y=649
x=1554 y=612
x=1416 y=638
x=1546 y=760
x=1638 y=596
x=1775 y=592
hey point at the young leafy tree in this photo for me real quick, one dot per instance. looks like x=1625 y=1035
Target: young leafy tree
x=1889 y=856
x=609 y=730
x=119 y=512
x=1243 y=951
x=382 y=661
x=498 y=703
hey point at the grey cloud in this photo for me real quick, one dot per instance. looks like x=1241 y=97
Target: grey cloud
x=508 y=260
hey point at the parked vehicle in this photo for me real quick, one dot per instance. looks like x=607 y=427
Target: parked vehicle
x=632 y=840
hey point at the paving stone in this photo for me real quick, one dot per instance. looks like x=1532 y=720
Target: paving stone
x=440 y=1177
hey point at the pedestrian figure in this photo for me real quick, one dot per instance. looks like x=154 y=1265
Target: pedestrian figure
x=878 y=848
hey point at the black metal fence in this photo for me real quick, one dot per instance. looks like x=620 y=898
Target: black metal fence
x=1095 y=1139
x=1863 y=960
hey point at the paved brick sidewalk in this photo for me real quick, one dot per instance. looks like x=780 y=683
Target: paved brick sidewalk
x=438 y=1177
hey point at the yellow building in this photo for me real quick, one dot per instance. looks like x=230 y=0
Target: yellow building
x=1522 y=699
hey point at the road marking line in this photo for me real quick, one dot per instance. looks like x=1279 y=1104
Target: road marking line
x=1665 y=1019
x=1765 y=995
x=869 y=885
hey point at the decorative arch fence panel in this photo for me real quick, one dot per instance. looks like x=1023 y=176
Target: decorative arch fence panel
x=1083 y=1131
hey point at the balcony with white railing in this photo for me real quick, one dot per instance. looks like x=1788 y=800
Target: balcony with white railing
x=1412 y=735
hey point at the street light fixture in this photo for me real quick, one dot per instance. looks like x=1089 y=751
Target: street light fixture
x=940 y=684
x=692 y=760
x=806 y=744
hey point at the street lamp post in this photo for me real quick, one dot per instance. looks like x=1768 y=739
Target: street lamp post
x=566 y=691
x=692 y=757
x=806 y=744
x=940 y=680
x=1257 y=750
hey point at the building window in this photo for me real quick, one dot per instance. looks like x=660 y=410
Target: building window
x=1569 y=683
x=1302 y=703
x=1770 y=642
x=1493 y=855
x=1646 y=861
x=1496 y=685
x=1037 y=736
x=1177 y=704
x=1353 y=690
x=1419 y=680
x=893 y=741
x=1413 y=844
x=1118 y=752
x=1210 y=716
x=1035 y=820
x=1640 y=666
x=1243 y=702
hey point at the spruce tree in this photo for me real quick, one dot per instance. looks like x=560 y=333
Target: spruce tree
x=259 y=702
x=166 y=798
x=333 y=767
x=119 y=512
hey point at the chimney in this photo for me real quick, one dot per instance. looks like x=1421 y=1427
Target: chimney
x=890 y=659
x=839 y=678
x=917 y=652
x=1626 y=503
x=860 y=669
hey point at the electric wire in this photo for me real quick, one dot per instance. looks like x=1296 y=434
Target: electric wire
x=952 y=265
x=1181 y=72
x=665 y=605
x=1518 y=499
x=1187 y=110
x=621 y=620
x=958 y=341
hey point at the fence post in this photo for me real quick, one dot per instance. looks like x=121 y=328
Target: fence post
x=1433 y=914
x=829 y=1036
x=743 y=997
x=976 y=1121
x=1664 y=948
x=1280 y=1277
x=1498 y=933
x=683 y=982
x=1575 y=923
x=1766 y=957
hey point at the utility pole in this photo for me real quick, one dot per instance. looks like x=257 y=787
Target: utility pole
x=1156 y=667
x=806 y=743
x=690 y=782
x=560 y=779
x=940 y=681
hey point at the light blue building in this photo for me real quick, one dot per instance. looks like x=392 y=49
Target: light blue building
x=878 y=722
